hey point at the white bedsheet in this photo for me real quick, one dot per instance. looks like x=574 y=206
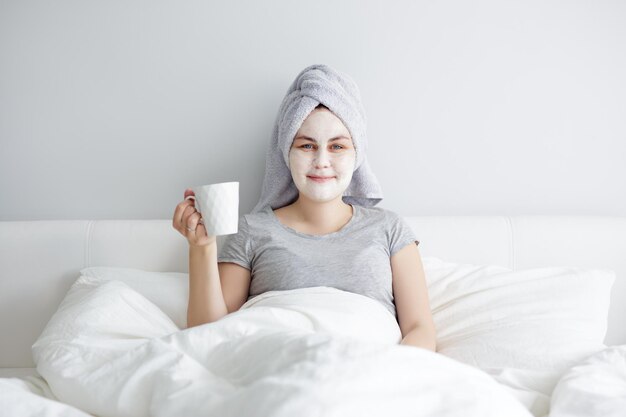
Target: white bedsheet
x=31 y=396
x=594 y=387
x=310 y=352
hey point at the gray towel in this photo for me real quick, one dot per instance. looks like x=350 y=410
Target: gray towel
x=317 y=84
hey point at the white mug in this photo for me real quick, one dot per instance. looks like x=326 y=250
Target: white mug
x=218 y=205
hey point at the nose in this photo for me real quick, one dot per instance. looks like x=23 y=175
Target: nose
x=322 y=159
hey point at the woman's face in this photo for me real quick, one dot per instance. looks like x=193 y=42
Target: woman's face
x=322 y=157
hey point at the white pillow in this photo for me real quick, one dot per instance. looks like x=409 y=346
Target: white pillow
x=167 y=290
x=540 y=318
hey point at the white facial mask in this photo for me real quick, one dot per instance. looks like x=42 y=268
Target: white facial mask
x=321 y=162
x=322 y=158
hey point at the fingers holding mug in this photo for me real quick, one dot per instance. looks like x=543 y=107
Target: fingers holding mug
x=189 y=225
x=190 y=219
x=191 y=198
x=189 y=193
x=181 y=213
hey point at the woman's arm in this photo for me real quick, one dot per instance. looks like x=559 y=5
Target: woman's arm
x=423 y=337
x=214 y=289
x=411 y=298
x=206 y=300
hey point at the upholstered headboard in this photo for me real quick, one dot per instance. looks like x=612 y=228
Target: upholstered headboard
x=39 y=260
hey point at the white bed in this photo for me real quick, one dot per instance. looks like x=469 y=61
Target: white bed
x=40 y=260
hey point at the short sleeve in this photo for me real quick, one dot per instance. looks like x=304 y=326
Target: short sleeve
x=237 y=247
x=400 y=234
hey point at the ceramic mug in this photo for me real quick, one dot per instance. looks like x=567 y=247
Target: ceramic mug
x=218 y=205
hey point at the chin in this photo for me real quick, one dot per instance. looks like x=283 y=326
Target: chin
x=323 y=198
x=320 y=198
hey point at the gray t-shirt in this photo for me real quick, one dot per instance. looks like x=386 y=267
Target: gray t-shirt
x=355 y=258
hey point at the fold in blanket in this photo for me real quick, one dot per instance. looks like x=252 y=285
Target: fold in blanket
x=318 y=84
x=309 y=352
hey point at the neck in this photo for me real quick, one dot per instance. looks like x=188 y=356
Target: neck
x=322 y=215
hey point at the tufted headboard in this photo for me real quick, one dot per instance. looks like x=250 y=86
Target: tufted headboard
x=39 y=260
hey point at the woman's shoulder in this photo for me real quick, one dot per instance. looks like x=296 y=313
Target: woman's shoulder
x=254 y=220
x=381 y=218
x=380 y=213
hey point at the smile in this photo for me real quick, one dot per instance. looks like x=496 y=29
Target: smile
x=320 y=179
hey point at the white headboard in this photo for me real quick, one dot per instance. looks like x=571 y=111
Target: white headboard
x=39 y=260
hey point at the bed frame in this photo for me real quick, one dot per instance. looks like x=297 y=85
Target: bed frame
x=39 y=260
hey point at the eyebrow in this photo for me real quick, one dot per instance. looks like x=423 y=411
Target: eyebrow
x=330 y=140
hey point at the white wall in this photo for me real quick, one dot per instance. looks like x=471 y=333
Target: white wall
x=110 y=109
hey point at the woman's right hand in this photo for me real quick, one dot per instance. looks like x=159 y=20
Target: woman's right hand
x=187 y=221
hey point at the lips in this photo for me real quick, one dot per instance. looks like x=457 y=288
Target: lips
x=319 y=179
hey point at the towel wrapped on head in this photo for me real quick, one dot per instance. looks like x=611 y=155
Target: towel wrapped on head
x=317 y=84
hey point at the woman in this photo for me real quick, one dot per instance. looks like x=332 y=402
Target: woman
x=315 y=223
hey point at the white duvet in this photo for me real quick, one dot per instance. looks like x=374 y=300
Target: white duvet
x=594 y=387
x=311 y=352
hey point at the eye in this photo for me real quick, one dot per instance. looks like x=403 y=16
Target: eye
x=311 y=146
